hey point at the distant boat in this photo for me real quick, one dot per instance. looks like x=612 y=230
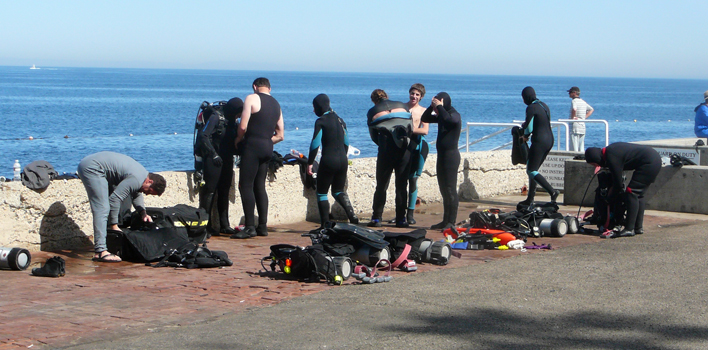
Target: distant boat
x=33 y=67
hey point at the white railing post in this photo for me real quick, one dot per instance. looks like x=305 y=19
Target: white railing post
x=596 y=121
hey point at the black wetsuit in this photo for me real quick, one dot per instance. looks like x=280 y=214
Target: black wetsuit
x=449 y=126
x=331 y=136
x=216 y=142
x=620 y=156
x=256 y=151
x=393 y=155
x=538 y=125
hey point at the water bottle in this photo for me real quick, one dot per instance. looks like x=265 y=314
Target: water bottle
x=16 y=168
x=296 y=153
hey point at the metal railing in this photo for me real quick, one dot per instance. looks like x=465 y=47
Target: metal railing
x=597 y=121
x=558 y=124
x=507 y=126
x=565 y=123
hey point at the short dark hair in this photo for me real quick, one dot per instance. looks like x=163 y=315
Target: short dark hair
x=378 y=95
x=158 y=183
x=419 y=87
x=261 y=82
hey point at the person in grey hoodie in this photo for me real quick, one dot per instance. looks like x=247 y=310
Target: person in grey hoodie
x=110 y=178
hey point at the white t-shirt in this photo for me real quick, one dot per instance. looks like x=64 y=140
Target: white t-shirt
x=581 y=109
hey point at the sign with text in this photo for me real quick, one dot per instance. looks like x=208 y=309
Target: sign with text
x=553 y=169
x=689 y=153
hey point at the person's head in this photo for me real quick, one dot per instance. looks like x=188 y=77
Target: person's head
x=154 y=184
x=705 y=96
x=445 y=98
x=378 y=95
x=593 y=155
x=416 y=92
x=261 y=84
x=321 y=104
x=529 y=95
x=233 y=109
x=574 y=92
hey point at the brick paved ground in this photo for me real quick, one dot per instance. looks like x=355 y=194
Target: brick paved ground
x=101 y=300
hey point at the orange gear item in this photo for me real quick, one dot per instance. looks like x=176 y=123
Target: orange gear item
x=455 y=234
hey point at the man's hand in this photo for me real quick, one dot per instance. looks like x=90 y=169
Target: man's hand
x=435 y=103
x=218 y=161
x=145 y=216
x=309 y=169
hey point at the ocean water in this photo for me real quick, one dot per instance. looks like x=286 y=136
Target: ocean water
x=149 y=114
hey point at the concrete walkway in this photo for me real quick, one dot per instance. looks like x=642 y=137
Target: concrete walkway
x=645 y=292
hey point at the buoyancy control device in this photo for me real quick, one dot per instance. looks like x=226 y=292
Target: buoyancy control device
x=207 y=110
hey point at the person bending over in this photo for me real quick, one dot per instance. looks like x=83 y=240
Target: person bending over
x=261 y=126
x=331 y=136
x=449 y=123
x=216 y=143
x=110 y=178
x=419 y=146
x=390 y=128
x=538 y=126
x=620 y=156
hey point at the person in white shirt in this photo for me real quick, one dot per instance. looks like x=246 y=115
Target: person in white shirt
x=579 y=110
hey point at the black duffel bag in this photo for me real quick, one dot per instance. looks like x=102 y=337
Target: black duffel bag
x=190 y=220
x=145 y=245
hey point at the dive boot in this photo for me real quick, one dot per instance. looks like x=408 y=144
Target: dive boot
x=439 y=226
x=248 y=232
x=54 y=267
x=409 y=217
x=262 y=230
x=626 y=233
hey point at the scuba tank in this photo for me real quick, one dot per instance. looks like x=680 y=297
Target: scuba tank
x=14 y=258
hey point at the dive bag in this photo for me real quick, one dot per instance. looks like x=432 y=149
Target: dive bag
x=144 y=245
x=186 y=220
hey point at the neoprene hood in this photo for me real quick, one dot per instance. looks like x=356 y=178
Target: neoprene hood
x=321 y=104
x=529 y=95
x=447 y=103
x=233 y=109
x=593 y=155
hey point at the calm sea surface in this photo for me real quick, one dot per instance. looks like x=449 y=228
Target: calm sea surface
x=149 y=114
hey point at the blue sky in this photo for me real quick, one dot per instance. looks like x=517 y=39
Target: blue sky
x=661 y=39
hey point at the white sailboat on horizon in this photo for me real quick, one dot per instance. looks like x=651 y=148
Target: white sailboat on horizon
x=33 y=67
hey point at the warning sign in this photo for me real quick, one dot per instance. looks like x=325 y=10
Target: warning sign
x=553 y=169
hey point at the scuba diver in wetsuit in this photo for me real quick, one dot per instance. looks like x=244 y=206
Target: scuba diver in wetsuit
x=390 y=128
x=620 y=156
x=449 y=126
x=538 y=125
x=260 y=128
x=330 y=135
x=216 y=142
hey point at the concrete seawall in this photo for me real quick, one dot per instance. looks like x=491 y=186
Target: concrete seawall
x=60 y=217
